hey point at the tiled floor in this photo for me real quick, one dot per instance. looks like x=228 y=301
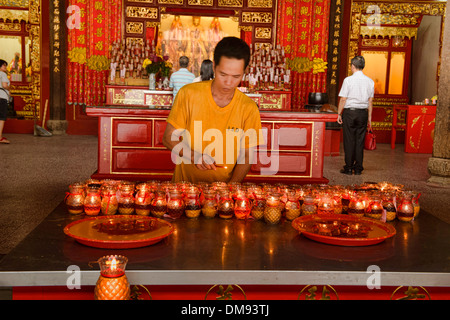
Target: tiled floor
x=36 y=171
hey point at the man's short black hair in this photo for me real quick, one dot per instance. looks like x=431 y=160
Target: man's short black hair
x=3 y=62
x=359 y=62
x=232 y=47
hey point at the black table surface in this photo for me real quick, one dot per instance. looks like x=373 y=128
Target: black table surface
x=212 y=251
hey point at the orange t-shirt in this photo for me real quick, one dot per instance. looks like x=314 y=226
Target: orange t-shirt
x=210 y=129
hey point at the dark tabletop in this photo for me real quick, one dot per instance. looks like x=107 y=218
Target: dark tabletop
x=202 y=251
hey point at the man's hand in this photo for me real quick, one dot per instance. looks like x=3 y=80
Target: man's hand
x=341 y=106
x=204 y=161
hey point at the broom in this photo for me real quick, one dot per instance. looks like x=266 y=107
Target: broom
x=38 y=130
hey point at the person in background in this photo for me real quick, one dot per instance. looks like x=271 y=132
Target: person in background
x=4 y=98
x=355 y=114
x=206 y=71
x=215 y=107
x=181 y=77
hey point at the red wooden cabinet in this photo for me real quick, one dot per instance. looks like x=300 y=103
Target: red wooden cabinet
x=130 y=146
x=420 y=122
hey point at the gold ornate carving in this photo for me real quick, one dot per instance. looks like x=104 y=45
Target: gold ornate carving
x=33 y=105
x=260 y=3
x=135 y=27
x=412 y=293
x=158 y=100
x=144 y=1
x=13 y=15
x=230 y=3
x=34 y=11
x=151 y=24
x=356 y=25
x=390 y=19
x=261 y=45
x=404 y=32
x=399 y=43
x=312 y=293
x=405 y=8
x=140 y=41
x=246 y=28
x=386 y=53
x=225 y=293
x=375 y=43
x=14 y=3
x=200 y=2
x=263 y=33
x=142 y=12
x=170 y=1
x=5 y=26
x=257 y=17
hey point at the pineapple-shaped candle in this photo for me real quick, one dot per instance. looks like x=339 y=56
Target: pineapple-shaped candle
x=112 y=283
x=272 y=212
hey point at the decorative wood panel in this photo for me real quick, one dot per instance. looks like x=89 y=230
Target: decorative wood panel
x=137 y=161
x=292 y=136
x=293 y=164
x=132 y=133
x=249 y=13
x=159 y=128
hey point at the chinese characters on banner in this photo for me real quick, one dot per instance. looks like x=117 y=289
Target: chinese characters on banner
x=303 y=31
x=92 y=26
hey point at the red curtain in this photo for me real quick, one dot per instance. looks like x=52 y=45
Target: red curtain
x=302 y=29
x=150 y=34
x=92 y=26
x=246 y=36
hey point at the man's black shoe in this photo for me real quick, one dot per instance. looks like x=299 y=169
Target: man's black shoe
x=357 y=172
x=349 y=172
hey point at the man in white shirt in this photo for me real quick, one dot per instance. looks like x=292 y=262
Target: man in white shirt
x=355 y=114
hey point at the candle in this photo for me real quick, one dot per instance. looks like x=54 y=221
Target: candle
x=175 y=204
x=112 y=283
x=242 y=206
x=75 y=198
x=272 y=201
x=272 y=211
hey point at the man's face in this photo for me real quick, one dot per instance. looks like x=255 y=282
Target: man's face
x=228 y=74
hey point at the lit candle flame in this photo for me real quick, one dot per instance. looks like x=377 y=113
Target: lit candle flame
x=113 y=266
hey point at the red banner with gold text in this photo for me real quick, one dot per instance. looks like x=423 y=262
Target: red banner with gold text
x=92 y=26
x=302 y=29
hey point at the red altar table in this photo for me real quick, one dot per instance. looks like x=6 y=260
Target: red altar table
x=419 y=127
x=130 y=145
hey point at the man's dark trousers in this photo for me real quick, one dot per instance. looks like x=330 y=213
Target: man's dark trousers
x=354 y=130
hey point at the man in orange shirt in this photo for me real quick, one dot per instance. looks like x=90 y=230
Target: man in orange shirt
x=219 y=125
